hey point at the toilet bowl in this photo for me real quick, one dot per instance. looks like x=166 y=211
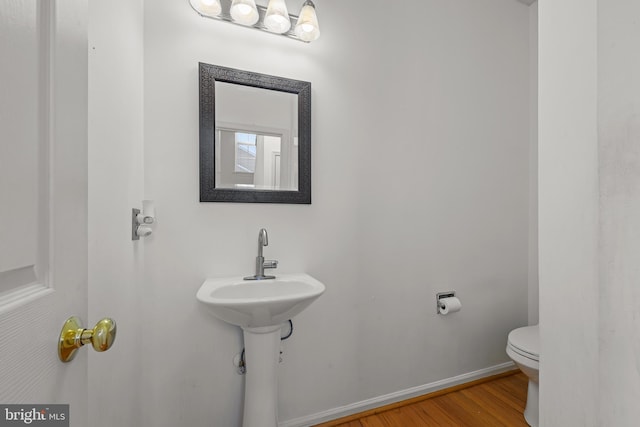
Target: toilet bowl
x=523 y=347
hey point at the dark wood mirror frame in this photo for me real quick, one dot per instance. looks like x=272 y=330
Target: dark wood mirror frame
x=209 y=74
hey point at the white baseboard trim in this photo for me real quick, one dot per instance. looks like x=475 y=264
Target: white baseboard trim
x=398 y=396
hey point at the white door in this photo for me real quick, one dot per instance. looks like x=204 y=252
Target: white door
x=43 y=200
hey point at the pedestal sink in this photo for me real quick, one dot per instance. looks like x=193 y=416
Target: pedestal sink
x=260 y=308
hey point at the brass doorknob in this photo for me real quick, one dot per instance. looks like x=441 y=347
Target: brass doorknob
x=73 y=336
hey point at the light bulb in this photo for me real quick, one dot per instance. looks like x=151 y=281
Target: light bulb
x=277 y=19
x=207 y=7
x=307 y=28
x=243 y=9
x=244 y=12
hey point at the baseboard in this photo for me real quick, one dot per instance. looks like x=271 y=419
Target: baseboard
x=398 y=396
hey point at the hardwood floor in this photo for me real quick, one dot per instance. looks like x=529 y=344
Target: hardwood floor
x=494 y=403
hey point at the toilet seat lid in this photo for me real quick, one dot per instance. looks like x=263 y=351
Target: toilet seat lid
x=526 y=341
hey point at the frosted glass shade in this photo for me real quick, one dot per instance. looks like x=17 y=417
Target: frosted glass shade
x=307 y=28
x=244 y=12
x=207 y=7
x=277 y=19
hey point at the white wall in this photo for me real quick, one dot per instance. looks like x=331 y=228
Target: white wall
x=115 y=187
x=534 y=287
x=619 y=168
x=589 y=210
x=453 y=83
x=568 y=213
x=453 y=214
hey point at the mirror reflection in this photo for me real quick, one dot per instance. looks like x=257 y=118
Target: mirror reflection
x=248 y=158
x=256 y=138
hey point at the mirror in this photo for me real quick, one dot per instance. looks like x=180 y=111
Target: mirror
x=255 y=137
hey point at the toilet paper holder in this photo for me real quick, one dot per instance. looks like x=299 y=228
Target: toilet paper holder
x=441 y=295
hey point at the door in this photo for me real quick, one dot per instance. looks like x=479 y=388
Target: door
x=43 y=200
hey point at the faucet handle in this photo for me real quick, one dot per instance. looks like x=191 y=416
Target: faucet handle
x=271 y=263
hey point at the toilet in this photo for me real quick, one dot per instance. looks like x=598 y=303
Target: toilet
x=523 y=347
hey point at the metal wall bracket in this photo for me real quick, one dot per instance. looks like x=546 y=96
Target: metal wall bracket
x=134 y=224
x=441 y=295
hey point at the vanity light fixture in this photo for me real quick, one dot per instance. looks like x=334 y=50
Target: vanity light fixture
x=274 y=18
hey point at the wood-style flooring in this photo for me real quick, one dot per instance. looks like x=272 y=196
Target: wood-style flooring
x=494 y=403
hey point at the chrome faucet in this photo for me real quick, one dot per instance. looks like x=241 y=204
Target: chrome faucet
x=261 y=264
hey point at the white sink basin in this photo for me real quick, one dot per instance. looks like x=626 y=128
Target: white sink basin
x=259 y=303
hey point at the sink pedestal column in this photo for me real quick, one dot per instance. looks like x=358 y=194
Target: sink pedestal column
x=262 y=353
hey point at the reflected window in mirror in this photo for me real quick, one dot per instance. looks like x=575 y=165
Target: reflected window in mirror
x=252 y=159
x=245 y=151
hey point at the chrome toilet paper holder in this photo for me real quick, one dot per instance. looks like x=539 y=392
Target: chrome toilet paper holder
x=441 y=295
